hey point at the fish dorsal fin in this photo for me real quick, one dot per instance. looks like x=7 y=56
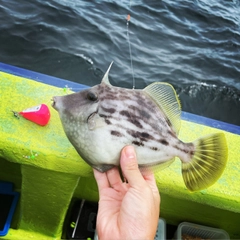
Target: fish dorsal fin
x=166 y=98
x=105 y=77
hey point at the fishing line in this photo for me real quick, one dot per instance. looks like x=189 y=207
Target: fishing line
x=130 y=50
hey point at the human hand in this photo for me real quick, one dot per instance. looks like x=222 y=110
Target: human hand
x=127 y=210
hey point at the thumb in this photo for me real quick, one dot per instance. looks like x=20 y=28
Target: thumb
x=129 y=166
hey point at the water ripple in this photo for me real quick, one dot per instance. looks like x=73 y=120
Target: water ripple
x=194 y=45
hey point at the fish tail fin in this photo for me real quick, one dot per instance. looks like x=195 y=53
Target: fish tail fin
x=207 y=163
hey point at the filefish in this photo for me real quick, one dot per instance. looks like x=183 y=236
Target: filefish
x=101 y=120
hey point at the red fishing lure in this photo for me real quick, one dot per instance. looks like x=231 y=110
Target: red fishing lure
x=39 y=114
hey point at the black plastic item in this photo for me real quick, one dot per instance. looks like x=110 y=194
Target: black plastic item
x=5 y=206
x=171 y=229
x=81 y=221
x=8 y=202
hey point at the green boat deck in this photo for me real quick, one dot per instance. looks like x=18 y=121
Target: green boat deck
x=48 y=173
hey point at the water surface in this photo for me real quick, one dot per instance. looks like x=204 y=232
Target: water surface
x=194 y=45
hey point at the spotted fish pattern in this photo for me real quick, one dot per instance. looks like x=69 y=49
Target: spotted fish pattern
x=101 y=120
x=126 y=112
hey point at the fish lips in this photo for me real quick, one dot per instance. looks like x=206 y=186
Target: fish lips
x=55 y=103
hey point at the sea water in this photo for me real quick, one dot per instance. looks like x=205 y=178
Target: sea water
x=192 y=44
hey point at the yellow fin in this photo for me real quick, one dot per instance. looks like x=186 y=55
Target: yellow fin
x=208 y=162
x=164 y=95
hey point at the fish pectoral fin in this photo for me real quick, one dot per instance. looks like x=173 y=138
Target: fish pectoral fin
x=95 y=121
x=105 y=77
x=165 y=96
x=208 y=162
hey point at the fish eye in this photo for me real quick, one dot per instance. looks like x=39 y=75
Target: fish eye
x=92 y=96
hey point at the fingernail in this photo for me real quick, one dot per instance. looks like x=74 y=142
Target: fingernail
x=130 y=152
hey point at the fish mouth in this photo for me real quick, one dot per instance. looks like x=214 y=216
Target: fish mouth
x=53 y=99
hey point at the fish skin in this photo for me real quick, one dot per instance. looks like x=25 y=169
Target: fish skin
x=101 y=120
x=100 y=129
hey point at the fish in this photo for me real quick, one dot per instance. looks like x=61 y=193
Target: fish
x=100 y=120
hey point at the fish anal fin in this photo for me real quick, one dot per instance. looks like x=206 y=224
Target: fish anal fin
x=208 y=162
x=105 y=78
x=103 y=167
x=165 y=96
x=144 y=168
